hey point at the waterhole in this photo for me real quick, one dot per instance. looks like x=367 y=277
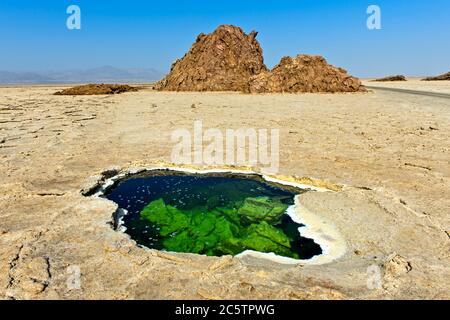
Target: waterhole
x=210 y=214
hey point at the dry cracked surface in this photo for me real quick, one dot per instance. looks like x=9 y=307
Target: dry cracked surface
x=390 y=150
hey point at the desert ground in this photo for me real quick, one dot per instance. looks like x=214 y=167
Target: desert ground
x=388 y=153
x=414 y=84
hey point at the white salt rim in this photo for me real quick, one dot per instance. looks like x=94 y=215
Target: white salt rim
x=317 y=228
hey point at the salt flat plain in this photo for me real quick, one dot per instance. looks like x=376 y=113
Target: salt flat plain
x=389 y=151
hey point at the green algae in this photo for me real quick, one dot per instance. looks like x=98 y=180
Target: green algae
x=214 y=215
x=259 y=209
x=168 y=218
x=215 y=231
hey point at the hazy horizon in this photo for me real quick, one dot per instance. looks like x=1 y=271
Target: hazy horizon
x=147 y=35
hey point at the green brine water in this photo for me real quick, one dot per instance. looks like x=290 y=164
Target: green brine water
x=213 y=215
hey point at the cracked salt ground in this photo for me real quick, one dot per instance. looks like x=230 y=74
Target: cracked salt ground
x=211 y=215
x=325 y=144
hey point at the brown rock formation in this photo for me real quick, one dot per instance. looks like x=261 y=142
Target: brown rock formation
x=221 y=61
x=304 y=73
x=230 y=60
x=96 y=89
x=442 y=77
x=391 y=78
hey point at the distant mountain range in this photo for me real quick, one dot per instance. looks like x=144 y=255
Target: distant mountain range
x=106 y=74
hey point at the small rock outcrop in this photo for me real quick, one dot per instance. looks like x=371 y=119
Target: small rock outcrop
x=443 y=77
x=304 y=73
x=96 y=89
x=391 y=78
x=223 y=60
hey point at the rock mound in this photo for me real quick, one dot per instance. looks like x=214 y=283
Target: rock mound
x=230 y=60
x=391 y=78
x=304 y=73
x=442 y=77
x=97 y=89
x=223 y=60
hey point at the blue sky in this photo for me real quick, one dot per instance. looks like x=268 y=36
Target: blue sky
x=414 y=40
